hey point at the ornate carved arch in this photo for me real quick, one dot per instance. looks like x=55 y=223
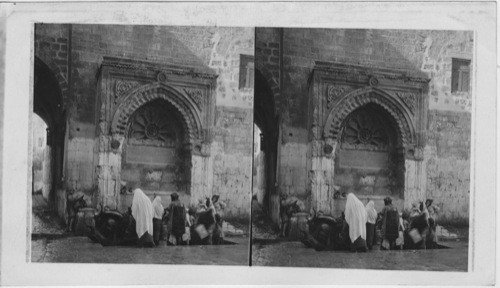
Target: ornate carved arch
x=143 y=94
x=360 y=97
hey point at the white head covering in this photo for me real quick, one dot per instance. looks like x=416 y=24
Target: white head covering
x=157 y=208
x=355 y=215
x=142 y=211
x=371 y=213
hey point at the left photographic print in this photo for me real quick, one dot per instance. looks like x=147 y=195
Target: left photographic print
x=142 y=144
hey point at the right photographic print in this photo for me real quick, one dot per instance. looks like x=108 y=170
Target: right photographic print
x=362 y=148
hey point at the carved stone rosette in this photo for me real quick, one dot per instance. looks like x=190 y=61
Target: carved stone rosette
x=122 y=87
x=334 y=92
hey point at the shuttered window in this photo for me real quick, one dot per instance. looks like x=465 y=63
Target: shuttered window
x=246 y=78
x=460 y=75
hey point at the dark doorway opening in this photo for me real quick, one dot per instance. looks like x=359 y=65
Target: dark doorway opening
x=48 y=128
x=266 y=130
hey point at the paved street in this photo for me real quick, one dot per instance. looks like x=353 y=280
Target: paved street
x=83 y=250
x=296 y=254
x=268 y=249
x=50 y=243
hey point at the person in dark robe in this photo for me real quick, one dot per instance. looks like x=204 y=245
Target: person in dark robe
x=390 y=225
x=177 y=220
x=419 y=228
x=431 y=240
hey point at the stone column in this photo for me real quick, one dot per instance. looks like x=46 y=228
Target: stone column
x=415 y=182
x=321 y=175
x=201 y=168
x=109 y=169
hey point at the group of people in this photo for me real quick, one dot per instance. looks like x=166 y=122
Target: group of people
x=415 y=229
x=148 y=222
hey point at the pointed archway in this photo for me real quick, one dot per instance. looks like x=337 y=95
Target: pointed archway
x=266 y=120
x=48 y=105
x=366 y=135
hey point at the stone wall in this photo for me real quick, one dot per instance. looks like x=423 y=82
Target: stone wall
x=51 y=46
x=75 y=53
x=267 y=51
x=420 y=53
x=231 y=159
x=448 y=163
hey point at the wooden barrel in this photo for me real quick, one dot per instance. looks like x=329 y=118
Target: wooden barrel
x=298 y=224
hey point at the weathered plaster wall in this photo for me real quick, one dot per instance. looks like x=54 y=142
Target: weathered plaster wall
x=421 y=53
x=76 y=52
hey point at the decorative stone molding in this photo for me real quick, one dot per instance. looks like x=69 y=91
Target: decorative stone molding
x=327 y=149
x=409 y=98
x=363 y=96
x=126 y=85
x=189 y=89
x=154 y=124
x=161 y=77
x=133 y=100
x=334 y=92
x=370 y=75
x=156 y=69
x=363 y=131
x=348 y=87
x=414 y=153
x=123 y=86
x=196 y=95
x=373 y=81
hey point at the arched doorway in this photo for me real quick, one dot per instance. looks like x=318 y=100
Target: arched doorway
x=154 y=154
x=181 y=102
x=48 y=108
x=266 y=131
x=369 y=156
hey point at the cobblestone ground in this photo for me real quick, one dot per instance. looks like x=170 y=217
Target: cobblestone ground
x=296 y=254
x=268 y=249
x=44 y=221
x=83 y=250
x=50 y=243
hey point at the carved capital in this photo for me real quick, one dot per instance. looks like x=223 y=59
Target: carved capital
x=414 y=153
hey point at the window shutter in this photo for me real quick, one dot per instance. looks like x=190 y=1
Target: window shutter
x=465 y=81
